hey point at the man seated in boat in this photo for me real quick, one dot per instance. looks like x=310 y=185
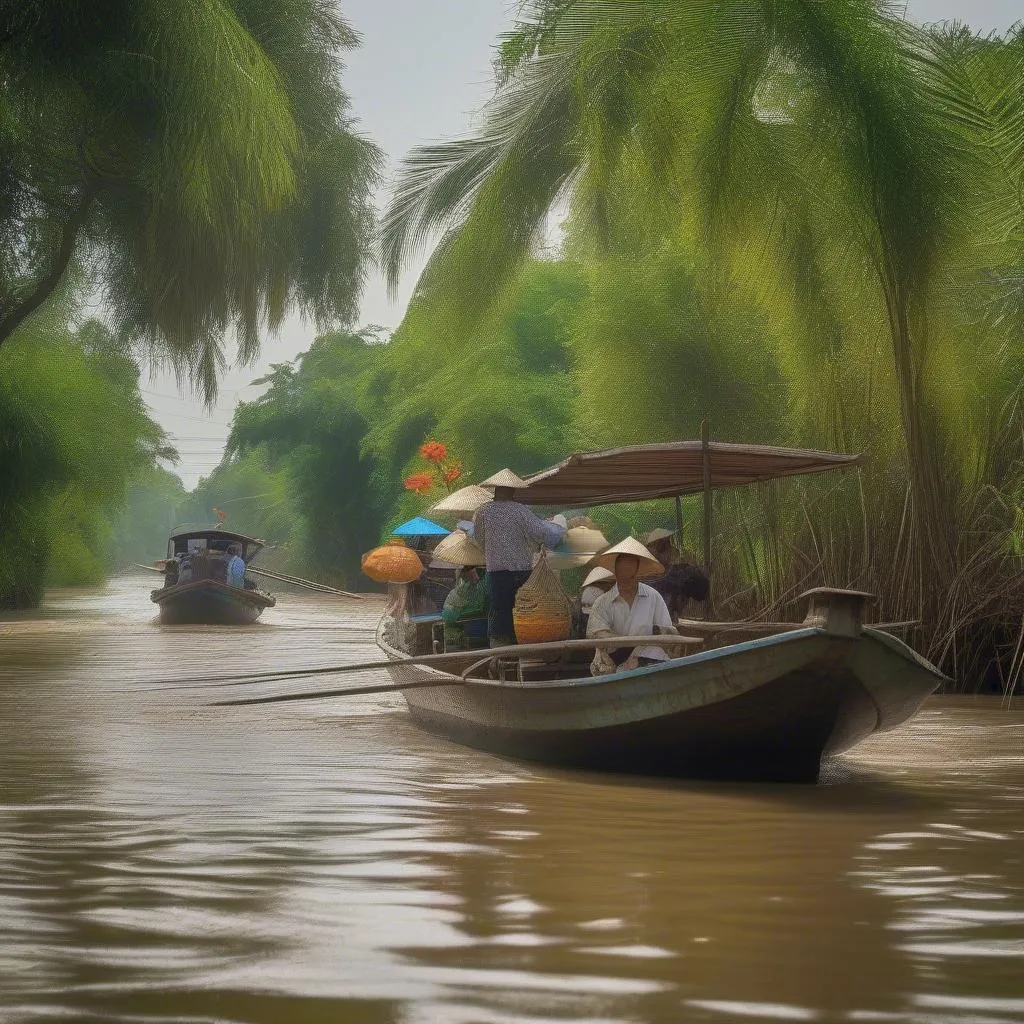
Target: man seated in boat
x=510 y=535
x=629 y=608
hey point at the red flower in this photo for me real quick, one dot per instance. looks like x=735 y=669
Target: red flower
x=419 y=482
x=433 y=451
x=453 y=474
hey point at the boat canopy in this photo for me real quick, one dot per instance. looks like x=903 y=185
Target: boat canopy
x=212 y=540
x=649 y=471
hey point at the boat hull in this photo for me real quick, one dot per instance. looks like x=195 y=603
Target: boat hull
x=766 y=710
x=210 y=602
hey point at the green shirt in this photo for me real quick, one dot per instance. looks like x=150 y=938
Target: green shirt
x=466 y=600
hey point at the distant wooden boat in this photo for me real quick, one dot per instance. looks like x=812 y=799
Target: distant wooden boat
x=204 y=596
x=768 y=709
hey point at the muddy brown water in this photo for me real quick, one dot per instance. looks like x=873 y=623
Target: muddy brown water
x=162 y=860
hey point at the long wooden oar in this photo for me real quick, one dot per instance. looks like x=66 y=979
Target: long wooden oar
x=455 y=657
x=297 y=581
x=450 y=661
x=351 y=691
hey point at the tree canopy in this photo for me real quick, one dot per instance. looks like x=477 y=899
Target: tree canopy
x=198 y=159
x=801 y=220
x=64 y=480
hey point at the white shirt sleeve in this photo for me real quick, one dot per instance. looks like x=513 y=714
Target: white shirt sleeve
x=599 y=623
x=662 y=618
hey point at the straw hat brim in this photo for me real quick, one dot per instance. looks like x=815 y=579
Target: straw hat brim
x=581 y=540
x=504 y=478
x=649 y=565
x=464 y=501
x=458 y=549
x=599 y=574
x=570 y=560
x=659 y=534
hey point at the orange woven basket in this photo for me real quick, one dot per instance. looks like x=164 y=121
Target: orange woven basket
x=540 y=628
x=542 y=612
x=392 y=563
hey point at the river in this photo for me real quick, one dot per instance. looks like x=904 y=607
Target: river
x=163 y=860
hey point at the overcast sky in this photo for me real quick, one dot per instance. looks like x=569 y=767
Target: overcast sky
x=423 y=68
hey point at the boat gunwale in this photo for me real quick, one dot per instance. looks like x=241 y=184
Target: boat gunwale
x=252 y=597
x=699 y=657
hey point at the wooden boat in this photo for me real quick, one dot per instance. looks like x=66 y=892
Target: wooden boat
x=206 y=597
x=768 y=708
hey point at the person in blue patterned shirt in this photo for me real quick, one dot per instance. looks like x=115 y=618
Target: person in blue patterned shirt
x=236 y=567
x=510 y=535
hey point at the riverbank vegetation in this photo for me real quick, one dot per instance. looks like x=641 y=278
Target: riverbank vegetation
x=75 y=436
x=802 y=222
x=193 y=166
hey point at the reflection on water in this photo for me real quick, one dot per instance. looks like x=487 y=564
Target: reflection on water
x=161 y=860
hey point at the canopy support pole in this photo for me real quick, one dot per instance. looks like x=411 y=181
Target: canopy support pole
x=705 y=436
x=679 y=523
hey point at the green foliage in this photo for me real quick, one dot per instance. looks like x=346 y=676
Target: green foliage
x=63 y=478
x=659 y=352
x=294 y=473
x=745 y=126
x=253 y=493
x=802 y=220
x=150 y=512
x=504 y=395
x=197 y=156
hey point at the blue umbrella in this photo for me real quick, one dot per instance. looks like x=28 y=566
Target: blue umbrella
x=420 y=527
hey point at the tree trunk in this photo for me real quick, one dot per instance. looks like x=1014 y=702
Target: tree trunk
x=15 y=315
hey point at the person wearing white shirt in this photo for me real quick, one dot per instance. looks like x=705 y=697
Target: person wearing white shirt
x=630 y=608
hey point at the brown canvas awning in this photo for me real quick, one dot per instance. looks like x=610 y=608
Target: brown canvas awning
x=645 y=472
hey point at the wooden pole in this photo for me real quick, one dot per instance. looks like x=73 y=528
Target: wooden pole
x=452 y=661
x=705 y=436
x=679 y=523
x=298 y=581
x=448 y=663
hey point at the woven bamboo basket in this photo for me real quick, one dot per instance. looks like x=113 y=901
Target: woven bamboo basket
x=392 y=563
x=542 y=612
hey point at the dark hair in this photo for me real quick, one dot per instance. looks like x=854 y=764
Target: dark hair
x=504 y=493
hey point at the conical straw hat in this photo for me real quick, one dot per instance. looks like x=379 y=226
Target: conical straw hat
x=458 y=549
x=658 y=534
x=598 y=575
x=464 y=501
x=577 y=547
x=581 y=540
x=505 y=478
x=649 y=565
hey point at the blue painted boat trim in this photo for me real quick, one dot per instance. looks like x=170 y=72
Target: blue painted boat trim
x=719 y=653
x=716 y=654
